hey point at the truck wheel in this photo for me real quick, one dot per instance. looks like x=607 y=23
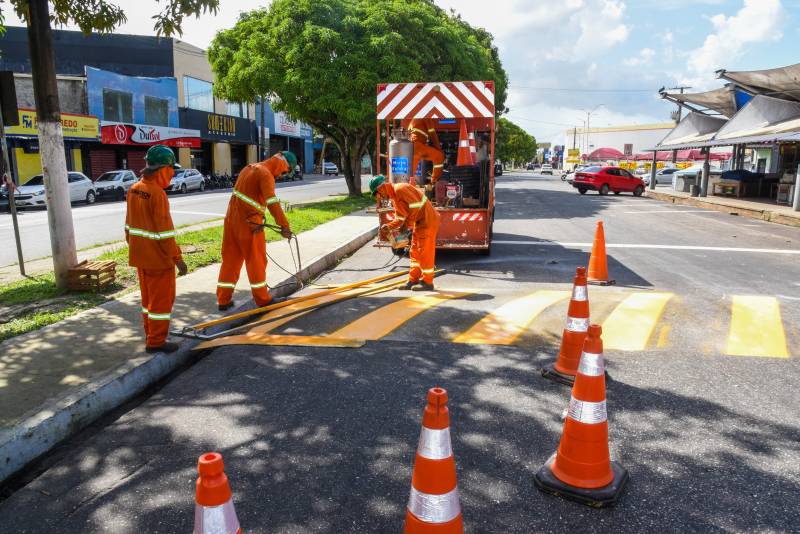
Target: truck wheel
x=604 y=189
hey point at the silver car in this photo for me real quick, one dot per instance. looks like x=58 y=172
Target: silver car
x=31 y=193
x=114 y=184
x=186 y=180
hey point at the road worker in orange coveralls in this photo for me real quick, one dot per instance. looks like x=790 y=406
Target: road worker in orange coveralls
x=243 y=238
x=421 y=132
x=152 y=248
x=413 y=211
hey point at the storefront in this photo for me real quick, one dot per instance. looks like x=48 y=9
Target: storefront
x=125 y=145
x=80 y=133
x=227 y=143
x=286 y=134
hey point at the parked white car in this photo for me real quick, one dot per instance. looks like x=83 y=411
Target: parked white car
x=330 y=167
x=114 y=184
x=546 y=169
x=31 y=194
x=186 y=180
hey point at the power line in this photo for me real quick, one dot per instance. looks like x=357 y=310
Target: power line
x=543 y=122
x=575 y=90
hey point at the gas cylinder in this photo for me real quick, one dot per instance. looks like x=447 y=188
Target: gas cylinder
x=401 y=154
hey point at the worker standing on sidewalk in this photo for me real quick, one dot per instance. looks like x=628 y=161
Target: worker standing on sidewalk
x=152 y=248
x=243 y=238
x=412 y=211
x=422 y=132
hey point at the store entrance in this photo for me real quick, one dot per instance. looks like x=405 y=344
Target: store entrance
x=201 y=159
x=238 y=158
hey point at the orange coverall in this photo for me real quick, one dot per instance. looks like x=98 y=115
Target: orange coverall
x=153 y=251
x=413 y=210
x=422 y=131
x=253 y=195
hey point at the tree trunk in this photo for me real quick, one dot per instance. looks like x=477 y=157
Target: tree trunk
x=51 y=140
x=263 y=136
x=352 y=148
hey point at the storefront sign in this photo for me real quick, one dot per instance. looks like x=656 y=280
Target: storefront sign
x=82 y=127
x=286 y=126
x=115 y=133
x=216 y=127
x=573 y=155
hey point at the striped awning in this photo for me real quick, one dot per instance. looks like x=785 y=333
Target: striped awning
x=436 y=100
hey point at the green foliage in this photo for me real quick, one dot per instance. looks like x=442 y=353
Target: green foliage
x=321 y=60
x=103 y=16
x=512 y=143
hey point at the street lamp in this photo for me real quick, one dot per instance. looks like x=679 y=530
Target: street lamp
x=588 y=118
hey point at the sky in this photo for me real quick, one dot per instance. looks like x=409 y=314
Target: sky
x=565 y=58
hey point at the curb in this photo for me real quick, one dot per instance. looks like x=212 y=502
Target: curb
x=778 y=217
x=59 y=419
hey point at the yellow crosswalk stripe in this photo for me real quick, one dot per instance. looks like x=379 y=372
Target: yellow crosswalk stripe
x=386 y=319
x=504 y=325
x=756 y=328
x=632 y=322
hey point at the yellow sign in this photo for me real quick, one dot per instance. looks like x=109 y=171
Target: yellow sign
x=683 y=164
x=74 y=126
x=628 y=165
x=573 y=155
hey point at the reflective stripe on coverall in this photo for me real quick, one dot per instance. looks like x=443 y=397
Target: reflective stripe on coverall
x=153 y=251
x=413 y=210
x=253 y=196
x=422 y=131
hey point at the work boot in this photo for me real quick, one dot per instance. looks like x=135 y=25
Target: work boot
x=423 y=286
x=407 y=286
x=225 y=307
x=166 y=348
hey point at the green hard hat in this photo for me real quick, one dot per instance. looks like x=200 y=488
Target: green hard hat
x=159 y=156
x=291 y=159
x=375 y=183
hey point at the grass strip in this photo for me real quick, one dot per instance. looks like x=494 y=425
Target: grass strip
x=33 y=303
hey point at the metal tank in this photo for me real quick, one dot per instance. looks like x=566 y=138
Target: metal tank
x=401 y=154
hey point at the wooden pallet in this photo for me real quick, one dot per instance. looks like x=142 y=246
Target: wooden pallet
x=92 y=275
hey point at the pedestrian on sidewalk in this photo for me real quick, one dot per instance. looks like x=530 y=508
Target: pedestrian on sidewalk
x=412 y=211
x=152 y=248
x=243 y=235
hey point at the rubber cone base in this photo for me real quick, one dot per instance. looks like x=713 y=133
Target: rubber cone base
x=597 y=498
x=602 y=282
x=550 y=373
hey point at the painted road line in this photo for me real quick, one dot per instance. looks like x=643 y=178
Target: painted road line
x=636 y=245
x=632 y=322
x=504 y=325
x=281 y=340
x=756 y=328
x=386 y=319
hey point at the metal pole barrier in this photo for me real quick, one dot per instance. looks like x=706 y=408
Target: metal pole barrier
x=653 y=171
x=9 y=180
x=706 y=172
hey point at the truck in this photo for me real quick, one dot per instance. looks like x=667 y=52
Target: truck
x=464 y=195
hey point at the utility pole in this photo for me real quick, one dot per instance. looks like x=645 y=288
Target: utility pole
x=9 y=181
x=51 y=140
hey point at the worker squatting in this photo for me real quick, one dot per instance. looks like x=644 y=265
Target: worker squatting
x=154 y=252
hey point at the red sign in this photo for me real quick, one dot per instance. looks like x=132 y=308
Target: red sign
x=116 y=133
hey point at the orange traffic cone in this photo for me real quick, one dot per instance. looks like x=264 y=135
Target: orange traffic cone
x=213 y=510
x=598 y=262
x=574 y=335
x=433 y=506
x=473 y=150
x=464 y=156
x=581 y=469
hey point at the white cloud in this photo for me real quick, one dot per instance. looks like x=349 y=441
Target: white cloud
x=757 y=21
x=644 y=57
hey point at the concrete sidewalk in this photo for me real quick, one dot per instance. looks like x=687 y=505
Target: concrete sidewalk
x=58 y=379
x=766 y=211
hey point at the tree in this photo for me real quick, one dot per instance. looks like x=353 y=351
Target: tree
x=512 y=143
x=88 y=15
x=321 y=60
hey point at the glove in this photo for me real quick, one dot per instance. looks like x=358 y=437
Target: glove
x=182 y=269
x=286 y=232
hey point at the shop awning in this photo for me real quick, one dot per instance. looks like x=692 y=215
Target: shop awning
x=695 y=128
x=782 y=82
x=605 y=153
x=719 y=100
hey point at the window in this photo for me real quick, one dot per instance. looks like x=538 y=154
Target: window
x=197 y=94
x=156 y=111
x=236 y=109
x=117 y=106
x=74 y=177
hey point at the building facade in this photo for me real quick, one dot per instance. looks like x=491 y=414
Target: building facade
x=283 y=133
x=628 y=139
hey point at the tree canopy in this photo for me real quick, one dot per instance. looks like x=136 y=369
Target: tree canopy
x=512 y=143
x=321 y=60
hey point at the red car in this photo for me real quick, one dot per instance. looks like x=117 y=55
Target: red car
x=605 y=179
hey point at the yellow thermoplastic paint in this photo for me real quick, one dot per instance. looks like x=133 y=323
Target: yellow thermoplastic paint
x=386 y=319
x=504 y=325
x=756 y=328
x=277 y=339
x=632 y=322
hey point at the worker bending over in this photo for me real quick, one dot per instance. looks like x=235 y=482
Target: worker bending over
x=421 y=132
x=243 y=235
x=412 y=211
x=152 y=248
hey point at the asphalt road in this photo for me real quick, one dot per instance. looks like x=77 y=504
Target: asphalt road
x=322 y=439
x=103 y=222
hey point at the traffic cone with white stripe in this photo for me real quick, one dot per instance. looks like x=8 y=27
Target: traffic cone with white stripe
x=464 y=155
x=213 y=510
x=598 y=261
x=433 y=506
x=581 y=469
x=569 y=354
x=473 y=149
